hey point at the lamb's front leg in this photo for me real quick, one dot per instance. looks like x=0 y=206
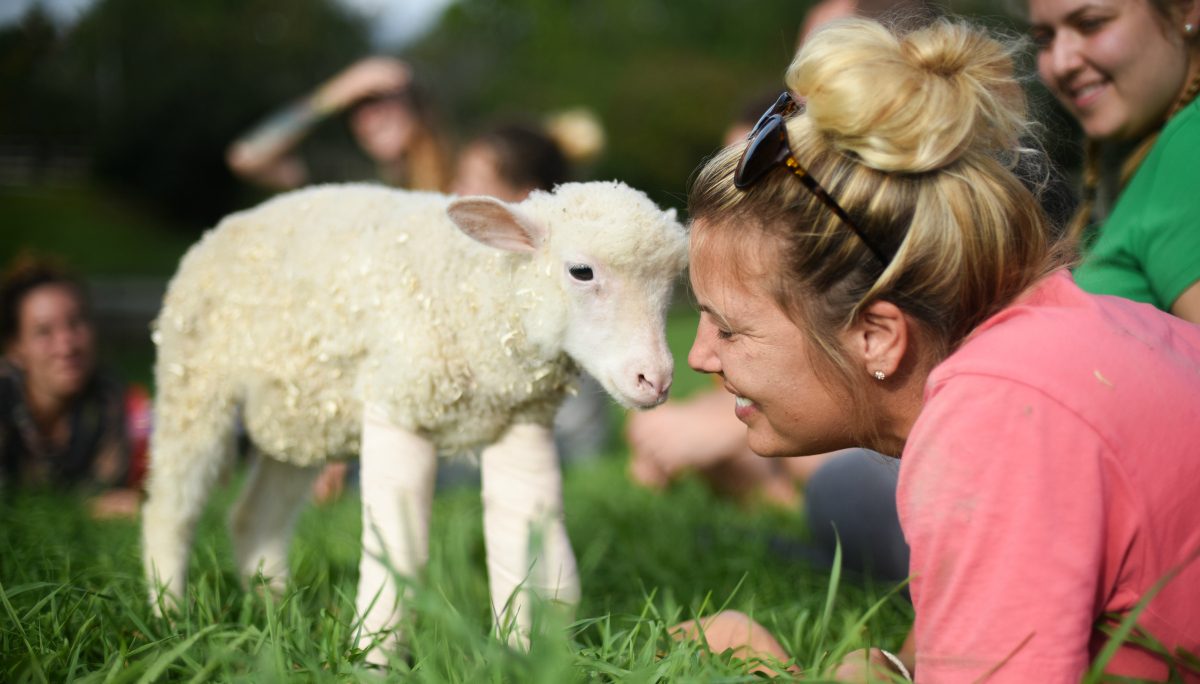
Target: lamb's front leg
x=397 y=473
x=522 y=501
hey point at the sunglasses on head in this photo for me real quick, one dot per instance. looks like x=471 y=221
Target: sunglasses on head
x=768 y=147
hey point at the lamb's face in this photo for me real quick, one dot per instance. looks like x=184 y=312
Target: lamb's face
x=610 y=259
x=614 y=327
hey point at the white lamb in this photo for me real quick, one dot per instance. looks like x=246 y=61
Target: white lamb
x=357 y=319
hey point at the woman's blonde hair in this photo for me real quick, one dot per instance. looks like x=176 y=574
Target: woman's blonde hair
x=918 y=137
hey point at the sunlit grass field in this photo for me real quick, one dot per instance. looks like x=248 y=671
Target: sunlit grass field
x=73 y=608
x=73 y=600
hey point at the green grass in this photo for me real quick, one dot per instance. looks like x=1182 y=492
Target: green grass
x=96 y=231
x=72 y=599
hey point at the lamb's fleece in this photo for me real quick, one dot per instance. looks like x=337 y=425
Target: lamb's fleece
x=302 y=308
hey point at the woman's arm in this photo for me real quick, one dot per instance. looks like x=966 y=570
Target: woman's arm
x=1187 y=305
x=265 y=154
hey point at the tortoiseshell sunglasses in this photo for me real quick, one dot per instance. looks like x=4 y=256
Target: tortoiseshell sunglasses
x=768 y=147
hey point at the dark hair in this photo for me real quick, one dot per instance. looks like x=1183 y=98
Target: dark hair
x=526 y=155
x=25 y=274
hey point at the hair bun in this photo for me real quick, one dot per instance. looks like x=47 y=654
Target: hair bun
x=578 y=132
x=913 y=102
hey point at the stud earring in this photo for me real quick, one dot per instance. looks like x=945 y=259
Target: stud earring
x=879 y=375
x=1189 y=29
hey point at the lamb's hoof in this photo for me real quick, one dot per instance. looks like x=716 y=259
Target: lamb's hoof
x=384 y=652
x=268 y=588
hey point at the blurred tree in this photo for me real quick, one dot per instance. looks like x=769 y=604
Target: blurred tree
x=664 y=77
x=35 y=116
x=164 y=87
x=158 y=89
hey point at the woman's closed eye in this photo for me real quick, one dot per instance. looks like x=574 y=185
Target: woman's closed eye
x=1088 y=24
x=721 y=328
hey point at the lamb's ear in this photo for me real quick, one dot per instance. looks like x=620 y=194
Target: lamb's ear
x=496 y=224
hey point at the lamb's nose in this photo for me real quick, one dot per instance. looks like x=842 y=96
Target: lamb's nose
x=656 y=385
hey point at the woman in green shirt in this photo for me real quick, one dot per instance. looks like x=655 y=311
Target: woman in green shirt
x=1129 y=71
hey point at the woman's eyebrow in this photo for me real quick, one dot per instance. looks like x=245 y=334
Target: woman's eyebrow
x=1077 y=14
x=1070 y=18
x=716 y=315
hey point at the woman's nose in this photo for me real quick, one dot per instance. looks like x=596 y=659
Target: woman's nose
x=70 y=339
x=1065 y=55
x=701 y=356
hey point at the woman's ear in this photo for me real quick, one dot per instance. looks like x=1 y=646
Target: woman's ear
x=1189 y=13
x=880 y=339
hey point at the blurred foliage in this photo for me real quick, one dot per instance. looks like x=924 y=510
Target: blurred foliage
x=152 y=92
x=665 y=78
x=96 y=233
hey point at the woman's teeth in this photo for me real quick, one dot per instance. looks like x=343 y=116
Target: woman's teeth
x=743 y=402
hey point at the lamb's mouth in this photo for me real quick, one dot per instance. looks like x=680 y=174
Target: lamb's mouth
x=632 y=402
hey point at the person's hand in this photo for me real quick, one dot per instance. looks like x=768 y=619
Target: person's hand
x=367 y=77
x=115 y=503
x=676 y=437
x=330 y=484
x=735 y=631
x=867 y=665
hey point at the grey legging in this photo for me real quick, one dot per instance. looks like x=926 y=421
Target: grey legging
x=854 y=493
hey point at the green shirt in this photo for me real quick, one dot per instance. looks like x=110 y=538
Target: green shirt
x=1149 y=248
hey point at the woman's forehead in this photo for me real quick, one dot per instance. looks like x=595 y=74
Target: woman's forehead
x=729 y=289
x=726 y=254
x=50 y=296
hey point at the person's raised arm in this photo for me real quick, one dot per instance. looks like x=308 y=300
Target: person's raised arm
x=265 y=154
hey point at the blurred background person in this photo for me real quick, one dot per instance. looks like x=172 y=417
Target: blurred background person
x=1129 y=72
x=509 y=161
x=390 y=117
x=64 y=424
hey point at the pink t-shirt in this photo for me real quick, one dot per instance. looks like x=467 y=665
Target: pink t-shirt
x=1053 y=477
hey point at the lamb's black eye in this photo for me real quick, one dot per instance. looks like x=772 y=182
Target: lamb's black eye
x=581 y=273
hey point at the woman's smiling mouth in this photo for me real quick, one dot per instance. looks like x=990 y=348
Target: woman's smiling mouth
x=743 y=407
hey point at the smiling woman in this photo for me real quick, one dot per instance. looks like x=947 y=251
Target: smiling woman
x=1129 y=71
x=63 y=423
x=872 y=271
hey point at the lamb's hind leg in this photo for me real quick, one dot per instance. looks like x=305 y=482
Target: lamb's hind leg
x=191 y=442
x=262 y=520
x=397 y=478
